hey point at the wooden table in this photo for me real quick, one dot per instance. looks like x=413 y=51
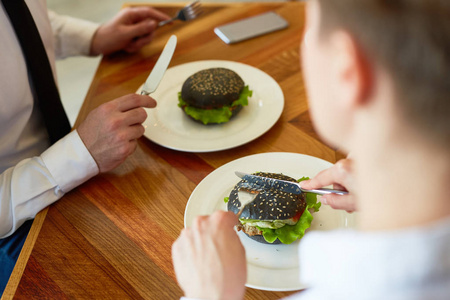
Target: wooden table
x=111 y=237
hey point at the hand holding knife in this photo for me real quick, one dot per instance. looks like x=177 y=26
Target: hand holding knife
x=99 y=149
x=260 y=182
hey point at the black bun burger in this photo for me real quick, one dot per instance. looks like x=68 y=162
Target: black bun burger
x=274 y=216
x=213 y=95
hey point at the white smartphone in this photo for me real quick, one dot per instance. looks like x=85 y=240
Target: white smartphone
x=251 y=27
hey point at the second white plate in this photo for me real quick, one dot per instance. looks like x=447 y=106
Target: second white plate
x=168 y=126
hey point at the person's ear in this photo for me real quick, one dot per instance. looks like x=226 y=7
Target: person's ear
x=351 y=71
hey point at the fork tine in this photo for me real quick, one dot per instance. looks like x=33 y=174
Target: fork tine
x=194 y=8
x=194 y=3
x=189 y=10
x=249 y=188
x=197 y=10
x=245 y=197
x=192 y=14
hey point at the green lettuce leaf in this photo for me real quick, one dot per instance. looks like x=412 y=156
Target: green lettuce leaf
x=311 y=199
x=219 y=115
x=289 y=233
x=243 y=97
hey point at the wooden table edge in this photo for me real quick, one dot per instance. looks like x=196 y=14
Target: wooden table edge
x=25 y=253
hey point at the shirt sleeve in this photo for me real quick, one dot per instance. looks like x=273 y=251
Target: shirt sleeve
x=71 y=36
x=34 y=183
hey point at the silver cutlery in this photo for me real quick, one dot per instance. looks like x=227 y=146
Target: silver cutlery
x=258 y=182
x=187 y=13
x=245 y=196
x=160 y=67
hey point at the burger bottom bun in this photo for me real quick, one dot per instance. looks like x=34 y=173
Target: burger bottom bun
x=260 y=238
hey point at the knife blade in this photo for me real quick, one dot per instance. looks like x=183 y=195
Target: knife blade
x=160 y=67
x=258 y=182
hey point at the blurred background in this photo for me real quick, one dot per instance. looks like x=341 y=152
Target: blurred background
x=75 y=73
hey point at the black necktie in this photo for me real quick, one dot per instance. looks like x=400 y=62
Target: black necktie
x=38 y=65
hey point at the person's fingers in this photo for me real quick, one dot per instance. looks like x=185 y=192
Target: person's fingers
x=338 y=186
x=157 y=15
x=214 y=224
x=324 y=178
x=198 y=222
x=178 y=245
x=344 y=171
x=338 y=174
x=134 y=132
x=139 y=29
x=185 y=235
x=139 y=13
x=345 y=202
x=306 y=184
x=132 y=147
x=201 y=231
x=221 y=222
x=132 y=101
x=138 y=43
x=134 y=116
x=225 y=218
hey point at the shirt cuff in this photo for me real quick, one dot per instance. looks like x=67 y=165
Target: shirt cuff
x=69 y=162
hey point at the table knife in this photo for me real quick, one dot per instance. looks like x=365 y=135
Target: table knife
x=254 y=182
x=160 y=67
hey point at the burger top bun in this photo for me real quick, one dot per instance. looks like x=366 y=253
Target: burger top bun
x=269 y=204
x=212 y=88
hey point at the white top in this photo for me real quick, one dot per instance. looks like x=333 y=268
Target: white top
x=405 y=264
x=31 y=179
x=408 y=264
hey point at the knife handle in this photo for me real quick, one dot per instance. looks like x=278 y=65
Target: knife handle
x=324 y=191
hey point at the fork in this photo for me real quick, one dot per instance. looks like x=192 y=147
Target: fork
x=189 y=12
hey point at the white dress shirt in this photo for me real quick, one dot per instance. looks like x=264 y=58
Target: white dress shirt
x=32 y=174
x=409 y=264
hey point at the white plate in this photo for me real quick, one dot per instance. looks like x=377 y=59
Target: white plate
x=270 y=267
x=168 y=126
